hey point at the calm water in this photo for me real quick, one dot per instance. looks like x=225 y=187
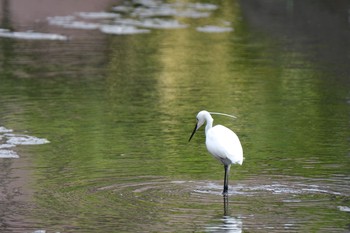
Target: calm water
x=118 y=111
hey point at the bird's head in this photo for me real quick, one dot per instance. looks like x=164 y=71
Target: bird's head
x=202 y=116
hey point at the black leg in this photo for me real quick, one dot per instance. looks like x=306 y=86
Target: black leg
x=227 y=171
x=226 y=205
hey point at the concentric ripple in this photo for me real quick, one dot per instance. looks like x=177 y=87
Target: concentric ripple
x=164 y=188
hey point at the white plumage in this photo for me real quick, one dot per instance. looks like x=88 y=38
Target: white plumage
x=224 y=145
x=221 y=142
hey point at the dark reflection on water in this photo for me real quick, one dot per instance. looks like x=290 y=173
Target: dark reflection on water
x=318 y=29
x=118 y=110
x=227 y=223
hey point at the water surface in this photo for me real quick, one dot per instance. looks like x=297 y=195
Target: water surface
x=117 y=111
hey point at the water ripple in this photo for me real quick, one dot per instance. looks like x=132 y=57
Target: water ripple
x=285 y=188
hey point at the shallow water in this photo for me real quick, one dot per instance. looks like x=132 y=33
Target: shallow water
x=113 y=114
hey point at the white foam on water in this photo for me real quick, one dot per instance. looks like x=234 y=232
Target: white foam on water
x=344 y=208
x=60 y=20
x=39 y=231
x=69 y=22
x=193 y=14
x=5 y=130
x=214 y=29
x=203 y=6
x=141 y=15
x=166 y=10
x=185 y=10
x=6 y=146
x=121 y=30
x=8 y=154
x=97 y=15
x=161 y=11
x=148 y=3
x=31 y=35
x=68 y=18
x=8 y=140
x=123 y=9
x=81 y=25
x=154 y=23
x=25 y=140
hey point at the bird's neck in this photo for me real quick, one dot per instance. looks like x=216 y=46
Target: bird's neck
x=209 y=125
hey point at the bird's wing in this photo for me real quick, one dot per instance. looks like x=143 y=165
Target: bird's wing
x=224 y=144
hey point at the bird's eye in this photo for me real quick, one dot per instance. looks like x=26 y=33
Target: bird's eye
x=197 y=118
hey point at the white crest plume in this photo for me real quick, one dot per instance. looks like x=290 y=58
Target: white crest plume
x=223 y=114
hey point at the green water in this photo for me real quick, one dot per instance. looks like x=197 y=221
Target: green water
x=118 y=112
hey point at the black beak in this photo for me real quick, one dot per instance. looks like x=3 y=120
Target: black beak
x=195 y=129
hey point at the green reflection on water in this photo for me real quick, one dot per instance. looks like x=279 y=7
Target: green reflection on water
x=121 y=119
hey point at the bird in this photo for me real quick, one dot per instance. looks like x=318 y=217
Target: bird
x=221 y=142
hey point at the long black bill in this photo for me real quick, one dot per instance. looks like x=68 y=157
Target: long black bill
x=195 y=129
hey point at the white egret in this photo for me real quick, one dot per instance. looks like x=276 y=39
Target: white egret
x=221 y=142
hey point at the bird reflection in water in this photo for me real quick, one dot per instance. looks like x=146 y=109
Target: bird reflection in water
x=228 y=224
